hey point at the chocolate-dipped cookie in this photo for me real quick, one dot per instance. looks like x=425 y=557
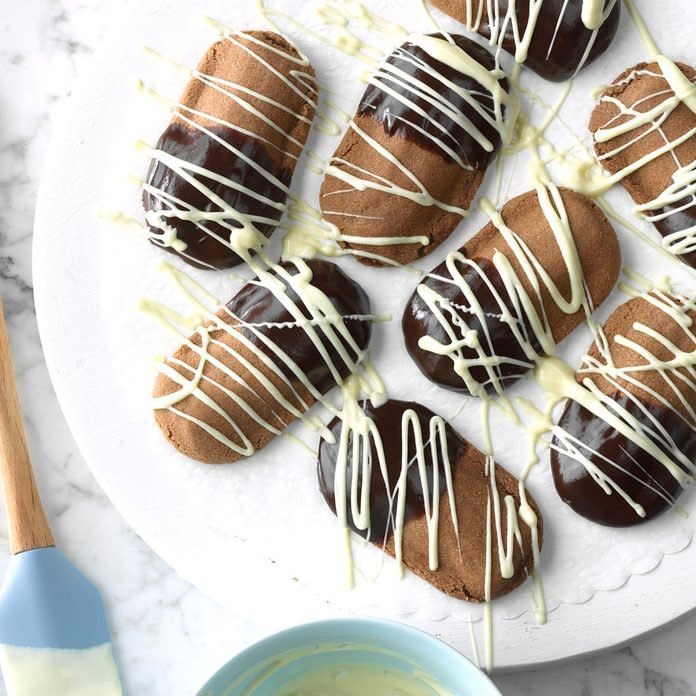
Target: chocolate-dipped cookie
x=416 y=150
x=644 y=130
x=285 y=339
x=625 y=445
x=428 y=505
x=561 y=38
x=220 y=172
x=481 y=319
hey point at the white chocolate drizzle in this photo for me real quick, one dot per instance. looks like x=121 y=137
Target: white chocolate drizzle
x=367 y=381
x=592 y=13
x=337 y=15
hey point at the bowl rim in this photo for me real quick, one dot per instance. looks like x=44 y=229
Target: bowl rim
x=354 y=621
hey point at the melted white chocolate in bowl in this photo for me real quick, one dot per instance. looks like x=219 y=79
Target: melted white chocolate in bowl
x=360 y=680
x=393 y=666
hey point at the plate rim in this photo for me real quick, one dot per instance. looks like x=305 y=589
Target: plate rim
x=46 y=278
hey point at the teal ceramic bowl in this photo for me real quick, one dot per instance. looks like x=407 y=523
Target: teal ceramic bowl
x=266 y=668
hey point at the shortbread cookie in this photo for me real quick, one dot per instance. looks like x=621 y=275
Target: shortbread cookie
x=645 y=137
x=480 y=319
x=220 y=173
x=625 y=445
x=417 y=149
x=285 y=339
x=442 y=533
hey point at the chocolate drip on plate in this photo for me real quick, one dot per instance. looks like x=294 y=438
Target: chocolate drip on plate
x=635 y=472
x=222 y=154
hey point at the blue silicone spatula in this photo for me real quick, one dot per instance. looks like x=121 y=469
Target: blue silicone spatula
x=54 y=636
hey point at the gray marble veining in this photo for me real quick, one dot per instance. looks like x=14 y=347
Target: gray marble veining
x=169 y=636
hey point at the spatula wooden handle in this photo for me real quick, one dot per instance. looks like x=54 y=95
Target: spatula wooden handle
x=28 y=525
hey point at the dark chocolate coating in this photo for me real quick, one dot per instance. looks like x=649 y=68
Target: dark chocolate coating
x=419 y=321
x=387 y=418
x=256 y=304
x=640 y=475
x=572 y=37
x=678 y=222
x=399 y=120
x=196 y=147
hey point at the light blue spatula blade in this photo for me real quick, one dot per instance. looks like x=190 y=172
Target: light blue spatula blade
x=46 y=602
x=54 y=635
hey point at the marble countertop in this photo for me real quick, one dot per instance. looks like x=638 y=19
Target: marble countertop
x=169 y=636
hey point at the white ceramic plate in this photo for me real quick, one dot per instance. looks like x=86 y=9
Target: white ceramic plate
x=234 y=531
